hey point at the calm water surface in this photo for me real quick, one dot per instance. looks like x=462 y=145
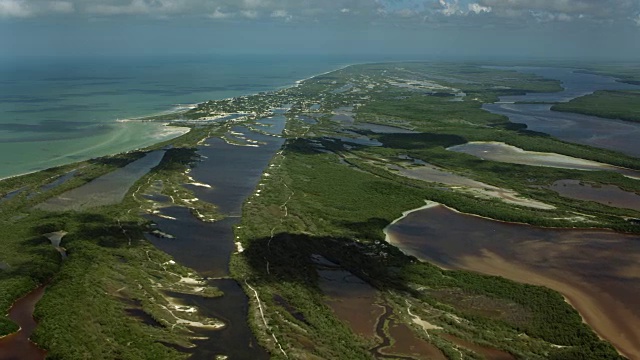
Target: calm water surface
x=55 y=111
x=589 y=130
x=233 y=173
x=18 y=345
x=107 y=189
x=610 y=195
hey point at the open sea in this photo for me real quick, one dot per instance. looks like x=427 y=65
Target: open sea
x=55 y=111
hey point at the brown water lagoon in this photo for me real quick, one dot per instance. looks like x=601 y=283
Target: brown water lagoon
x=610 y=195
x=363 y=309
x=598 y=271
x=352 y=300
x=406 y=342
x=18 y=345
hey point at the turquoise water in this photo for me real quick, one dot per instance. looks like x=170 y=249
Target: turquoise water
x=56 y=111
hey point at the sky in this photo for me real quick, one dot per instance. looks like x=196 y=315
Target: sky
x=540 y=29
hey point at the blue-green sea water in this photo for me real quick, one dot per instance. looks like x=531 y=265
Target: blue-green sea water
x=55 y=111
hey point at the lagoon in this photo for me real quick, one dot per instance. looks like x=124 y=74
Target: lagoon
x=596 y=270
x=583 y=129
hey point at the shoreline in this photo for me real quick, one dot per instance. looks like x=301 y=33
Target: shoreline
x=167 y=133
x=299 y=82
x=176 y=109
x=435 y=203
x=428 y=205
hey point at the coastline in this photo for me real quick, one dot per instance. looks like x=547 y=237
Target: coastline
x=299 y=82
x=154 y=137
x=175 y=109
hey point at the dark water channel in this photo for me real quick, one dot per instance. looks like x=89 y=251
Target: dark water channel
x=18 y=345
x=234 y=173
x=234 y=340
x=272 y=125
x=589 y=130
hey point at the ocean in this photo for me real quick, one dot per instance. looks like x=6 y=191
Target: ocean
x=59 y=110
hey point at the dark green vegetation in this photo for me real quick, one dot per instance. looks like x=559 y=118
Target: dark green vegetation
x=347 y=228
x=334 y=200
x=324 y=196
x=623 y=105
x=111 y=270
x=627 y=72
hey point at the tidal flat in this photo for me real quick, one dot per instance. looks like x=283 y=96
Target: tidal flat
x=511 y=154
x=106 y=190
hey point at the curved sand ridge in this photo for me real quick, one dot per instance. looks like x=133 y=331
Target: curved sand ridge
x=501 y=152
x=433 y=173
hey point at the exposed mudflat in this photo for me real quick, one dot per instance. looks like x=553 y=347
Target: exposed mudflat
x=105 y=190
x=432 y=173
x=497 y=151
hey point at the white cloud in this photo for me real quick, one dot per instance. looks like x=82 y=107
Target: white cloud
x=140 y=7
x=637 y=20
x=405 y=13
x=594 y=9
x=367 y=12
x=249 y=14
x=219 y=14
x=477 y=8
x=282 y=14
x=449 y=8
x=545 y=16
x=14 y=8
x=24 y=8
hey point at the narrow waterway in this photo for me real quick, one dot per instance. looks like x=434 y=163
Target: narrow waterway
x=18 y=345
x=588 y=130
x=234 y=173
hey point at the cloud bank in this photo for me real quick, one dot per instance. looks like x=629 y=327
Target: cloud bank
x=469 y=12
